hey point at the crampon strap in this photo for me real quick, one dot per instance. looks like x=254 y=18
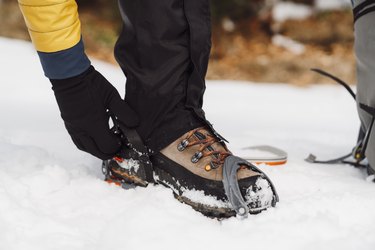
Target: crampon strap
x=231 y=187
x=132 y=140
x=358 y=153
x=340 y=160
x=136 y=143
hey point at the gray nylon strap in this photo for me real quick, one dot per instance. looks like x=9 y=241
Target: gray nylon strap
x=231 y=187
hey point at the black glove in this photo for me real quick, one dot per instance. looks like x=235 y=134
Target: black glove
x=83 y=101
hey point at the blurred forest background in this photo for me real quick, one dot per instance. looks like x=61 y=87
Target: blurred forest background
x=257 y=40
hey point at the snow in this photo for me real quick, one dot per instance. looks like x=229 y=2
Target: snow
x=332 y=4
x=264 y=195
x=283 y=11
x=228 y=25
x=289 y=44
x=198 y=196
x=130 y=164
x=52 y=196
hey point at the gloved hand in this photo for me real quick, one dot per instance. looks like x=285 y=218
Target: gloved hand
x=83 y=101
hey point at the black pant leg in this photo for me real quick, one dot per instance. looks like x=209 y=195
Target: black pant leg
x=163 y=50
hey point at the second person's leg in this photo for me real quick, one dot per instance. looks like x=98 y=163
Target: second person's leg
x=364 y=31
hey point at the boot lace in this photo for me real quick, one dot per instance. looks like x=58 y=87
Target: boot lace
x=205 y=140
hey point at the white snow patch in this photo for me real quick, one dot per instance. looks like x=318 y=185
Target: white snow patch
x=130 y=164
x=370 y=178
x=332 y=4
x=228 y=25
x=264 y=193
x=283 y=11
x=288 y=44
x=198 y=196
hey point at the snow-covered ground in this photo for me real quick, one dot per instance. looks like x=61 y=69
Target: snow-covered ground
x=333 y=4
x=283 y=11
x=52 y=196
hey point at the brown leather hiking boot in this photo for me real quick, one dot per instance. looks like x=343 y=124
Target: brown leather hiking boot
x=202 y=173
x=199 y=169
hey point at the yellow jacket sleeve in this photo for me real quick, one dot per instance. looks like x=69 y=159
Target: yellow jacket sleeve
x=53 y=24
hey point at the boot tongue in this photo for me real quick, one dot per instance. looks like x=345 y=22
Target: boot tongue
x=199 y=135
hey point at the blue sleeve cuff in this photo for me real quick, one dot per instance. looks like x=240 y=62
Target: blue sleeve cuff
x=66 y=63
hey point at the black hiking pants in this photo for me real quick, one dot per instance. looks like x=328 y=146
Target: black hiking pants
x=163 y=50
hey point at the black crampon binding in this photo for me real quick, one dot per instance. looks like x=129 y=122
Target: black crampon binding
x=131 y=166
x=357 y=157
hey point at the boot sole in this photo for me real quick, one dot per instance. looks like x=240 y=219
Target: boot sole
x=130 y=179
x=127 y=181
x=164 y=178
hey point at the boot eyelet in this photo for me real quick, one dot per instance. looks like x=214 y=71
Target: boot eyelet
x=208 y=167
x=182 y=145
x=196 y=157
x=214 y=165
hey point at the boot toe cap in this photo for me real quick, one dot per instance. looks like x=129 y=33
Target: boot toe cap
x=258 y=193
